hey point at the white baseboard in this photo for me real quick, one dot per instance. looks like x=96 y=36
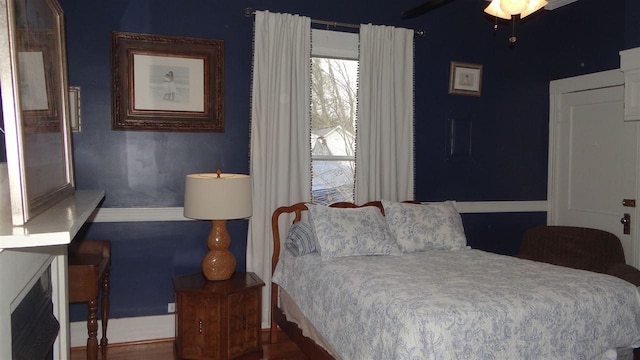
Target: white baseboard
x=126 y=330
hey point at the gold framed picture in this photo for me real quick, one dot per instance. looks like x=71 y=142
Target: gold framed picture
x=167 y=83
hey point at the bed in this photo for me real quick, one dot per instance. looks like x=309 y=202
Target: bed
x=351 y=283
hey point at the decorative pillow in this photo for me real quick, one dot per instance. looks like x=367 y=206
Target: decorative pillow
x=300 y=239
x=351 y=232
x=417 y=227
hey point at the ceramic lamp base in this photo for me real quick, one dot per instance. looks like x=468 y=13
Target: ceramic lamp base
x=219 y=263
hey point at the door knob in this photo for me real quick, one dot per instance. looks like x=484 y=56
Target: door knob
x=626 y=224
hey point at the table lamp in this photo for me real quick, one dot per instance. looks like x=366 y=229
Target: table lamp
x=218 y=197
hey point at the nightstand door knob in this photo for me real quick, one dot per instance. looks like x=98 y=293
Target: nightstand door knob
x=200 y=326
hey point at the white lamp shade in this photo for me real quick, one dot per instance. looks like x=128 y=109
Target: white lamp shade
x=496 y=8
x=514 y=7
x=207 y=197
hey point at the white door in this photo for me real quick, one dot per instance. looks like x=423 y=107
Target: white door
x=594 y=164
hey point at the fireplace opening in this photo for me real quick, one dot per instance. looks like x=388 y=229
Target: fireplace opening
x=34 y=328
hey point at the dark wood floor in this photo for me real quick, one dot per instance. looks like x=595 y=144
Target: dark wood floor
x=284 y=349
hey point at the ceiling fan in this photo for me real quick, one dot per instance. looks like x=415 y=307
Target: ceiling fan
x=423 y=8
x=504 y=9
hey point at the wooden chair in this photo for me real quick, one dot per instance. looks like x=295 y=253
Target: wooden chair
x=89 y=267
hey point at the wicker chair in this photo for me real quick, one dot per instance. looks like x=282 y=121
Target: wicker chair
x=578 y=248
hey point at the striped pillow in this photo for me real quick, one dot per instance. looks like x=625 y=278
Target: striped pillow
x=301 y=240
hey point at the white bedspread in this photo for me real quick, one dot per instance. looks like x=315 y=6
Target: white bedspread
x=465 y=304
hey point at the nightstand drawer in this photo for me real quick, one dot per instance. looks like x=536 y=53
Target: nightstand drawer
x=244 y=322
x=218 y=320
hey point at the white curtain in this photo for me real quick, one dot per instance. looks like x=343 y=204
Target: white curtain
x=384 y=142
x=280 y=129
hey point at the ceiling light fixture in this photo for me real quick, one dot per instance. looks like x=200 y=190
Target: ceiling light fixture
x=509 y=9
x=506 y=9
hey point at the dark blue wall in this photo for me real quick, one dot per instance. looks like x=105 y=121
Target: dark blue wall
x=509 y=120
x=632 y=30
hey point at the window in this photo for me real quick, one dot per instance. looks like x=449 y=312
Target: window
x=333 y=115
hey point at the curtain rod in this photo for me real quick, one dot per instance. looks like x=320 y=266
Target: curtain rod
x=248 y=12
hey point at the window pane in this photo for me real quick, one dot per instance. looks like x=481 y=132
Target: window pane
x=332 y=181
x=334 y=94
x=333 y=119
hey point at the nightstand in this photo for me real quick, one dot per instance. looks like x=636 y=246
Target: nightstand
x=218 y=319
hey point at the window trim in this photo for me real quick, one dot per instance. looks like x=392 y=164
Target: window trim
x=339 y=46
x=333 y=158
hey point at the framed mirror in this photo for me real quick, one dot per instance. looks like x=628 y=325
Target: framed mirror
x=35 y=106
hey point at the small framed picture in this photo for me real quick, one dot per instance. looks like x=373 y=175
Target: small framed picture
x=74 y=108
x=465 y=78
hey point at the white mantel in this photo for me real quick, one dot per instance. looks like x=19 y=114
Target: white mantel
x=26 y=252
x=57 y=226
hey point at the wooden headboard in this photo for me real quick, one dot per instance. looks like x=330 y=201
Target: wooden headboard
x=298 y=209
